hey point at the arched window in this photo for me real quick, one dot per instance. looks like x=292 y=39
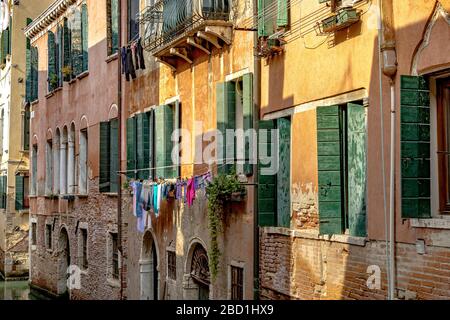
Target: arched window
x=71 y=182
x=56 y=164
x=34 y=163
x=49 y=165
x=63 y=162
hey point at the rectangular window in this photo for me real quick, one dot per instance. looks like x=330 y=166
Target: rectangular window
x=112 y=26
x=114 y=256
x=172 y=265
x=342 y=163
x=48 y=236
x=84 y=244
x=237 y=283
x=109 y=153
x=49 y=167
x=34 y=162
x=33 y=233
x=443 y=110
x=3 y=191
x=20 y=203
x=83 y=161
x=133 y=15
x=273 y=15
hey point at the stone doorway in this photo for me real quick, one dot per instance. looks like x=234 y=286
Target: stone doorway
x=149 y=269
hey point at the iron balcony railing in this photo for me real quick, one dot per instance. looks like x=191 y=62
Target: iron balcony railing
x=169 y=19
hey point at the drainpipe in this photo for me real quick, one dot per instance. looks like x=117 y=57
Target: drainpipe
x=389 y=67
x=119 y=176
x=256 y=105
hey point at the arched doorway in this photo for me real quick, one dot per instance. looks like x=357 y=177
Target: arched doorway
x=200 y=271
x=63 y=263
x=149 y=268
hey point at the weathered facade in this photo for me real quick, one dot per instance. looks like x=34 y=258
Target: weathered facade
x=333 y=86
x=190 y=58
x=14 y=139
x=74 y=134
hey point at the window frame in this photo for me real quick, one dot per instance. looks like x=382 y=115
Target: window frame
x=49 y=236
x=236 y=287
x=443 y=143
x=171 y=265
x=33 y=233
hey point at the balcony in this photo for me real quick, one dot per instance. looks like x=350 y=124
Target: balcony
x=174 y=29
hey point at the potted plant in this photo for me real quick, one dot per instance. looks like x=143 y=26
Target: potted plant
x=67 y=72
x=329 y=24
x=347 y=16
x=53 y=81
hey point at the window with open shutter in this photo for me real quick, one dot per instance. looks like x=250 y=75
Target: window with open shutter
x=226 y=119
x=59 y=54
x=67 y=50
x=131 y=147
x=247 y=106
x=267 y=181
x=19 y=192
x=28 y=80
x=34 y=73
x=3 y=191
x=143 y=145
x=114 y=155
x=282 y=13
x=164 y=125
x=52 y=77
x=113 y=26
x=104 y=157
x=177 y=125
x=85 y=36
x=330 y=166
x=77 y=45
x=415 y=147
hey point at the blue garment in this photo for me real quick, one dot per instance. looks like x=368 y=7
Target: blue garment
x=137 y=188
x=155 y=199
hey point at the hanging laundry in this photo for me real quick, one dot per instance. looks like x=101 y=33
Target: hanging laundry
x=140 y=54
x=123 y=56
x=137 y=204
x=155 y=199
x=145 y=196
x=178 y=190
x=133 y=55
x=141 y=222
x=158 y=204
x=129 y=66
x=190 y=193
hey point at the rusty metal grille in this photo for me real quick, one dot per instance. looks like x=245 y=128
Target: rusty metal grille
x=172 y=265
x=200 y=266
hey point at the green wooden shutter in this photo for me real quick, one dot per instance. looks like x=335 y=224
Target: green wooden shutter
x=2 y=198
x=284 y=173
x=247 y=106
x=104 y=184
x=266 y=17
x=357 y=169
x=77 y=46
x=51 y=60
x=19 y=192
x=131 y=147
x=329 y=156
x=226 y=119
x=26 y=130
x=28 y=80
x=114 y=155
x=164 y=122
x=85 y=36
x=4 y=191
x=67 y=59
x=143 y=145
x=114 y=26
x=34 y=73
x=282 y=13
x=415 y=147
x=152 y=144
x=177 y=126
x=267 y=183
x=6 y=49
x=59 y=54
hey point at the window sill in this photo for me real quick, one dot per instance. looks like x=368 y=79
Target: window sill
x=52 y=93
x=314 y=234
x=115 y=283
x=35 y=102
x=25 y=151
x=434 y=223
x=112 y=57
x=82 y=196
x=110 y=194
x=82 y=75
x=72 y=81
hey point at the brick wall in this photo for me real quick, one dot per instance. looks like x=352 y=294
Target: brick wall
x=303 y=265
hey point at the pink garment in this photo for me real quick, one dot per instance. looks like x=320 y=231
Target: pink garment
x=190 y=194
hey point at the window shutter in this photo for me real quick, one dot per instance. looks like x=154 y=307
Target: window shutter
x=164 y=122
x=5 y=44
x=29 y=80
x=77 y=50
x=59 y=55
x=19 y=192
x=261 y=18
x=143 y=145
x=2 y=198
x=283 y=13
x=248 y=122
x=114 y=26
x=67 y=49
x=131 y=147
x=267 y=184
x=329 y=156
x=85 y=36
x=152 y=147
x=114 y=155
x=104 y=184
x=34 y=73
x=415 y=147
x=51 y=60
x=357 y=169
x=266 y=17
x=178 y=126
x=226 y=119
x=284 y=173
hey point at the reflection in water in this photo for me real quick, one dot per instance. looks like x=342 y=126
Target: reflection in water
x=15 y=290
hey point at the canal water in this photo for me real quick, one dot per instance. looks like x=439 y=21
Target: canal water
x=15 y=290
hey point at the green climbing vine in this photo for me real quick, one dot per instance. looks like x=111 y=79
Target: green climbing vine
x=219 y=192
